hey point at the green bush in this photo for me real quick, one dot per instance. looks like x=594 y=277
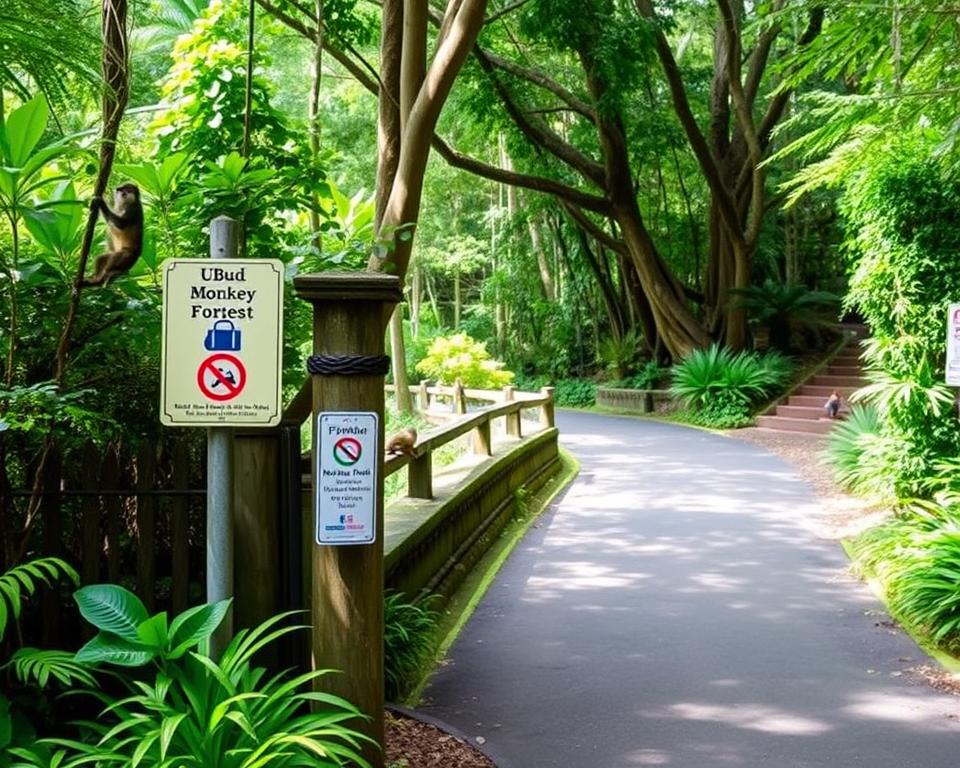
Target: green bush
x=460 y=357
x=903 y=221
x=183 y=707
x=720 y=386
x=408 y=639
x=783 y=307
x=648 y=377
x=575 y=393
x=916 y=558
x=860 y=456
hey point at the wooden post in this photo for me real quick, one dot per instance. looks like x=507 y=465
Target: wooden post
x=349 y=315
x=459 y=401
x=423 y=398
x=512 y=419
x=420 y=477
x=547 y=419
x=255 y=545
x=482 y=441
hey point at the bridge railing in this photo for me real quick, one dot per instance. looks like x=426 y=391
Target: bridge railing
x=507 y=404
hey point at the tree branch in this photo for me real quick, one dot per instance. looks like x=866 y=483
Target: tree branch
x=540 y=78
x=537 y=130
x=708 y=163
x=597 y=233
x=523 y=180
x=504 y=11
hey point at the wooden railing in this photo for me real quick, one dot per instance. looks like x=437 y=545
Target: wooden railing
x=507 y=404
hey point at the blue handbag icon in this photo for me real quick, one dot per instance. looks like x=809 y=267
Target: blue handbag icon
x=223 y=337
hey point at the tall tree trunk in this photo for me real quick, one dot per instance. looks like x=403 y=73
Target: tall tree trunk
x=313 y=116
x=399 y=362
x=456 y=299
x=536 y=241
x=416 y=299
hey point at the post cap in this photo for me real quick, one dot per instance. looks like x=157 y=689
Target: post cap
x=348 y=286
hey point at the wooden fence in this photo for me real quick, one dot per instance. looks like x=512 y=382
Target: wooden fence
x=507 y=404
x=132 y=518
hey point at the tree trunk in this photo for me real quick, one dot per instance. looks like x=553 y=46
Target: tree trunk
x=546 y=279
x=399 y=363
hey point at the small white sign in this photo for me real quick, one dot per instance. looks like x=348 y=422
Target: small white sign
x=953 y=346
x=347 y=458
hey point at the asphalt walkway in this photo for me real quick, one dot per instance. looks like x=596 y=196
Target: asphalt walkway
x=671 y=609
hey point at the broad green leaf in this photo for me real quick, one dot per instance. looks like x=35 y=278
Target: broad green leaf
x=153 y=631
x=112 y=609
x=106 y=648
x=24 y=127
x=144 y=176
x=194 y=625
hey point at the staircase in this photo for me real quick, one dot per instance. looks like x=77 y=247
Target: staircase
x=803 y=411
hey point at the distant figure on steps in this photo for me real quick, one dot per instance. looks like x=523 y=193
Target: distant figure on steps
x=832 y=406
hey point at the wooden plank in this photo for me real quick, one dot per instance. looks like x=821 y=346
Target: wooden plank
x=147 y=527
x=51 y=518
x=110 y=481
x=91 y=539
x=256 y=463
x=180 y=526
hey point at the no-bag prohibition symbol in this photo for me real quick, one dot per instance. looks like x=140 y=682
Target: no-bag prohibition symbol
x=347 y=451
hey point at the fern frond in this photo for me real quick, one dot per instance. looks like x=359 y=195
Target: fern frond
x=22 y=581
x=36 y=666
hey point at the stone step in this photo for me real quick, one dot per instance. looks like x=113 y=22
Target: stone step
x=845 y=370
x=809 y=401
x=801 y=411
x=838 y=381
x=824 y=391
x=785 y=424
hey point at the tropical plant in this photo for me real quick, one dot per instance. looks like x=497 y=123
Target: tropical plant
x=783 y=307
x=858 y=454
x=916 y=558
x=408 y=638
x=619 y=354
x=575 y=393
x=30 y=665
x=720 y=385
x=195 y=710
x=460 y=357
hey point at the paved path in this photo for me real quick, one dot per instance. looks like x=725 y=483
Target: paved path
x=671 y=609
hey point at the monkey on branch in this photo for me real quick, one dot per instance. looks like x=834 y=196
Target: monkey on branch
x=124 y=234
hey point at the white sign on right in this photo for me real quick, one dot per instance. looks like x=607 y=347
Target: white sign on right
x=347 y=458
x=953 y=346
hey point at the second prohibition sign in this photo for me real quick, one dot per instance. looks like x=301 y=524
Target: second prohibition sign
x=221 y=377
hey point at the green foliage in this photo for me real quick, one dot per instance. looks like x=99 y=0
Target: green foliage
x=620 y=354
x=217 y=714
x=128 y=637
x=575 y=393
x=22 y=581
x=460 y=357
x=649 y=376
x=903 y=217
x=782 y=307
x=41 y=407
x=860 y=457
x=409 y=638
x=916 y=557
x=720 y=385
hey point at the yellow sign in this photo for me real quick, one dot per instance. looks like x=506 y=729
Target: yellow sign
x=222 y=343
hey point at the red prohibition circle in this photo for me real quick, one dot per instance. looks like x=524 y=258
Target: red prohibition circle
x=232 y=389
x=347 y=451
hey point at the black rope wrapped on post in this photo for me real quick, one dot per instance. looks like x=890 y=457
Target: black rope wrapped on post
x=348 y=365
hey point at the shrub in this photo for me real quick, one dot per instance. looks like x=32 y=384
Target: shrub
x=575 y=393
x=648 y=377
x=408 y=639
x=720 y=386
x=183 y=707
x=460 y=357
x=917 y=560
x=781 y=307
x=619 y=354
x=859 y=455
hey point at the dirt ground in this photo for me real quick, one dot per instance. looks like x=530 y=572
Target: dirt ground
x=414 y=744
